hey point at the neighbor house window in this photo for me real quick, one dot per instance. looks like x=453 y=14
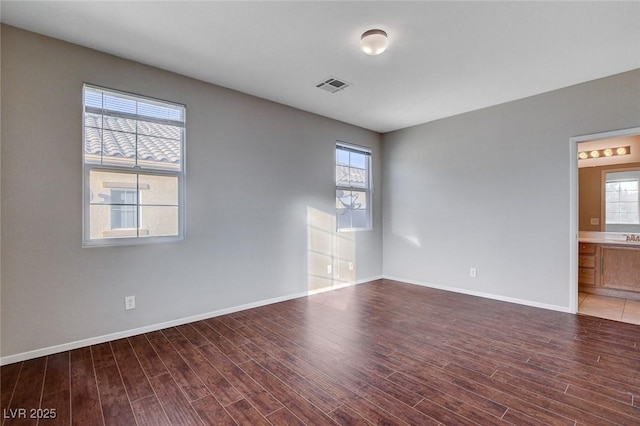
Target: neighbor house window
x=133 y=156
x=123 y=208
x=621 y=201
x=353 y=187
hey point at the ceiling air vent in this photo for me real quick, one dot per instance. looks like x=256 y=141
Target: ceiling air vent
x=332 y=85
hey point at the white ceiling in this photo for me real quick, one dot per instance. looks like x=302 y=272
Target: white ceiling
x=444 y=58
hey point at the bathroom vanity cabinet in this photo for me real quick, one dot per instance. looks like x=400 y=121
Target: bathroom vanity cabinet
x=609 y=269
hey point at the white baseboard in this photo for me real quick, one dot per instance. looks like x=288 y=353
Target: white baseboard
x=23 y=356
x=485 y=295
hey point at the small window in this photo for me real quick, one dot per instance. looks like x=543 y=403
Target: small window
x=353 y=187
x=133 y=159
x=123 y=208
x=622 y=204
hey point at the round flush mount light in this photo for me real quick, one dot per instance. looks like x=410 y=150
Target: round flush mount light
x=374 y=42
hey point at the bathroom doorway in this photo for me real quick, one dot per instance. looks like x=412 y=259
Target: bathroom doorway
x=607 y=192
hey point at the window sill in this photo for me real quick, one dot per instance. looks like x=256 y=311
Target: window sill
x=124 y=232
x=354 y=229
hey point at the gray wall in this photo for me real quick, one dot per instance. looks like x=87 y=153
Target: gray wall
x=254 y=169
x=491 y=189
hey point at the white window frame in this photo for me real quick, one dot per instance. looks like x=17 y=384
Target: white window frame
x=138 y=171
x=368 y=190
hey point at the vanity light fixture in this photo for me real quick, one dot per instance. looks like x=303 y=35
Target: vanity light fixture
x=374 y=42
x=608 y=152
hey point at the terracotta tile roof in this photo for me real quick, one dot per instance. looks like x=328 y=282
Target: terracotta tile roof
x=345 y=174
x=116 y=137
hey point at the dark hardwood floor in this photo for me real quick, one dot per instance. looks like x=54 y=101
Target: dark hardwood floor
x=378 y=353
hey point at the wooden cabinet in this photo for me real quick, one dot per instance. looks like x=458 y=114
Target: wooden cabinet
x=587 y=264
x=620 y=268
x=609 y=269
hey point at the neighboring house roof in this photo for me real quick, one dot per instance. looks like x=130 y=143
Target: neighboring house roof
x=116 y=137
x=346 y=174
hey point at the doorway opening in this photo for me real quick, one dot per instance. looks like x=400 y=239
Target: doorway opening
x=606 y=259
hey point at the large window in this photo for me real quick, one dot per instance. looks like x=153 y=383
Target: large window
x=353 y=187
x=133 y=156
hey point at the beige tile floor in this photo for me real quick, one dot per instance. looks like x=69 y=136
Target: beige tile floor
x=613 y=308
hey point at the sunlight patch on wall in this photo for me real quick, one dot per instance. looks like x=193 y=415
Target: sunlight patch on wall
x=413 y=240
x=331 y=255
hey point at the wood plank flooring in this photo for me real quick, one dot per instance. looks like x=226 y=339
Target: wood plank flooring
x=378 y=353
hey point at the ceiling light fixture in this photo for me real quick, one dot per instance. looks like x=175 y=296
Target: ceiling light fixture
x=374 y=42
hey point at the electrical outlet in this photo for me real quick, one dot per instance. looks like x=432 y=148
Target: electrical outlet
x=129 y=302
x=329 y=269
x=595 y=221
x=351 y=266
x=473 y=272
